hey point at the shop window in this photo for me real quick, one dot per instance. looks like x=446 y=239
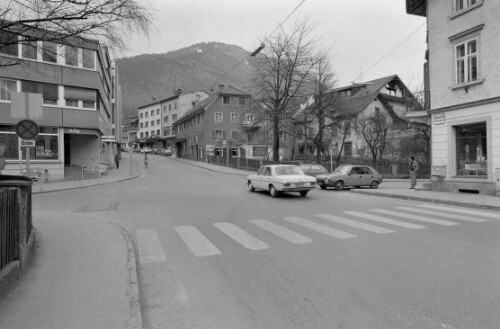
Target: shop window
x=46 y=148
x=9 y=139
x=471 y=150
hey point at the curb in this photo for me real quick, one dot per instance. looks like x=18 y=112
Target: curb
x=133 y=295
x=416 y=198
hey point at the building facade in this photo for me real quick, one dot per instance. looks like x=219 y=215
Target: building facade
x=156 y=118
x=464 y=78
x=224 y=122
x=79 y=91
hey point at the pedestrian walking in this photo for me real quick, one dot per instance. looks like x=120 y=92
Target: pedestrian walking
x=413 y=167
x=117 y=160
x=146 y=159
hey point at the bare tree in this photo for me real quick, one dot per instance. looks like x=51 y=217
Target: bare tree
x=282 y=74
x=63 y=21
x=374 y=129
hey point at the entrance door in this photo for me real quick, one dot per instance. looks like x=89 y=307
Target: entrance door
x=67 y=150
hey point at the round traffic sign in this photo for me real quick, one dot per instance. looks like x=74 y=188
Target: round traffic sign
x=27 y=129
x=224 y=142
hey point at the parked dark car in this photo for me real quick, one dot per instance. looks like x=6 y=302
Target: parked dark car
x=313 y=169
x=350 y=176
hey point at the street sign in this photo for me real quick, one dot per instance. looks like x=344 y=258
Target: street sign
x=224 y=142
x=27 y=129
x=27 y=142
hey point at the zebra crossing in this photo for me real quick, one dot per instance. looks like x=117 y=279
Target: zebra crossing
x=373 y=221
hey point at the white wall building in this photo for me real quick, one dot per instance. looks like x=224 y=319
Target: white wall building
x=464 y=78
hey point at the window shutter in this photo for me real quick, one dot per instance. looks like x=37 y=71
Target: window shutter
x=30 y=87
x=80 y=94
x=49 y=91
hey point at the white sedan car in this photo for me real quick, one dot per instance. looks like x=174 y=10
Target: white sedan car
x=281 y=178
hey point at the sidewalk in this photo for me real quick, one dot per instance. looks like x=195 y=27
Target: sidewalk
x=393 y=188
x=83 y=273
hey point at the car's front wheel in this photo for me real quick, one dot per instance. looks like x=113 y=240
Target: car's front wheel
x=250 y=187
x=374 y=184
x=273 y=191
x=338 y=185
x=323 y=187
x=303 y=193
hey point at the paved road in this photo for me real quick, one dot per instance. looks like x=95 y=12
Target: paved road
x=213 y=255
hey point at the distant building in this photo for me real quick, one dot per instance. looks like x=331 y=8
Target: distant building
x=384 y=103
x=156 y=118
x=80 y=112
x=463 y=71
x=224 y=121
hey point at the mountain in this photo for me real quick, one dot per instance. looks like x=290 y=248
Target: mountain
x=193 y=68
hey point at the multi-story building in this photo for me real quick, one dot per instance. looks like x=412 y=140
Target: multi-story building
x=156 y=118
x=223 y=121
x=78 y=85
x=464 y=79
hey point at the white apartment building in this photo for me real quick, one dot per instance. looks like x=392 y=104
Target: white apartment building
x=464 y=79
x=156 y=118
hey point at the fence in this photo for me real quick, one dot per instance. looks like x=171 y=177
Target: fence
x=16 y=239
x=9 y=226
x=387 y=168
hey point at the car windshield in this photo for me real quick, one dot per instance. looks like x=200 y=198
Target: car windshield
x=288 y=170
x=342 y=169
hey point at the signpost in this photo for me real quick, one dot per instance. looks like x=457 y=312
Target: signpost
x=27 y=130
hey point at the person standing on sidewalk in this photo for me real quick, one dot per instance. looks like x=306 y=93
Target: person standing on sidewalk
x=413 y=167
x=117 y=160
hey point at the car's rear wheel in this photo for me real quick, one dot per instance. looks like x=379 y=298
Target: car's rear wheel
x=338 y=185
x=303 y=193
x=323 y=187
x=250 y=187
x=273 y=191
x=374 y=184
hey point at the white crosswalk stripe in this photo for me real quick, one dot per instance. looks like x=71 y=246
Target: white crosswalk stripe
x=441 y=214
x=355 y=224
x=413 y=217
x=328 y=230
x=385 y=220
x=475 y=212
x=241 y=237
x=199 y=245
x=281 y=231
x=150 y=249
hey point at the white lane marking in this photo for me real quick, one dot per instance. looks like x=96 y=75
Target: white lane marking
x=475 y=212
x=385 y=220
x=436 y=213
x=413 y=217
x=199 y=245
x=355 y=224
x=150 y=249
x=240 y=236
x=281 y=231
x=320 y=228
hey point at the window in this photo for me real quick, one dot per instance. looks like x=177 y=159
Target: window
x=6 y=87
x=174 y=117
x=49 y=52
x=158 y=132
x=142 y=115
x=218 y=116
x=218 y=151
x=234 y=134
x=142 y=135
x=241 y=101
x=166 y=131
x=164 y=108
x=73 y=95
x=235 y=117
x=146 y=124
x=30 y=50
x=347 y=129
x=157 y=111
x=175 y=106
x=88 y=58
x=170 y=107
x=250 y=136
x=249 y=117
x=467 y=61
x=142 y=125
x=146 y=114
x=226 y=100
x=46 y=145
x=9 y=138
x=471 y=150
x=152 y=123
x=219 y=134
x=152 y=112
x=165 y=119
x=463 y=4
x=146 y=134
x=10 y=39
x=158 y=122
x=71 y=55
x=49 y=91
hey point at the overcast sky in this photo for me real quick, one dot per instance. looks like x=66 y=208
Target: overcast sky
x=359 y=33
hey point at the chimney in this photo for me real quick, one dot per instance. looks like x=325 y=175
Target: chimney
x=221 y=87
x=177 y=91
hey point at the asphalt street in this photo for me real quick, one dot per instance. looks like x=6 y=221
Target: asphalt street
x=214 y=255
